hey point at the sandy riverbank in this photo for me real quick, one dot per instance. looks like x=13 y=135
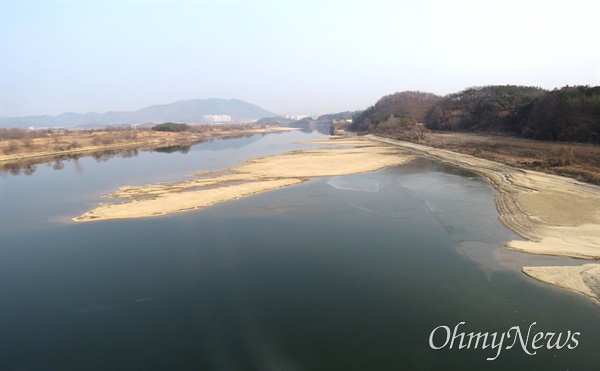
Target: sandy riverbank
x=556 y=215
x=339 y=157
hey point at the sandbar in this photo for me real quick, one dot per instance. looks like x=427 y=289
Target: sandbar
x=174 y=202
x=339 y=156
x=584 y=279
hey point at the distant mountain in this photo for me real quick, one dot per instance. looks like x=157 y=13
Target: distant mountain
x=184 y=111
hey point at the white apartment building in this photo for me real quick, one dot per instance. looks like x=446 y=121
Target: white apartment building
x=216 y=119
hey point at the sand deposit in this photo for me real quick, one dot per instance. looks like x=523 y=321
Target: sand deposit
x=339 y=157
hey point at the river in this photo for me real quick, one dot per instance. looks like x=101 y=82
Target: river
x=341 y=273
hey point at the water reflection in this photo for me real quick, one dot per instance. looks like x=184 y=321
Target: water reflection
x=309 y=128
x=171 y=149
x=59 y=162
x=58 y=165
x=13 y=169
x=109 y=154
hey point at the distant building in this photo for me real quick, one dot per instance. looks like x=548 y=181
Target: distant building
x=296 y=117
x=216 y=119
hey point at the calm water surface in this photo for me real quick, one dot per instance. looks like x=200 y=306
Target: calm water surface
x=342 y=273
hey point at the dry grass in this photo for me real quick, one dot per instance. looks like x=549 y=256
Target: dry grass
x=71 y=139
x=23 y=142
x=577 y=161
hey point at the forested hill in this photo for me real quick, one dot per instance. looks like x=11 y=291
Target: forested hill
x=488 y=108
x=566 y=114
x=407 y=106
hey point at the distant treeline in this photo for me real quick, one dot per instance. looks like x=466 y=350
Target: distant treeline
x=307 y=121
x=566 y=114
x=171 y=126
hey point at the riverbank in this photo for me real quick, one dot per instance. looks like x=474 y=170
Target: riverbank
x=80 y=143
x=578 y=161
x=556 y=215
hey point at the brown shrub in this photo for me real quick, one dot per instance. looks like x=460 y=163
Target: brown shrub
x=12 y=133
x=12 y=147
x=27 y=141
x=129 y=135
x=104 y=139
x=561 y=156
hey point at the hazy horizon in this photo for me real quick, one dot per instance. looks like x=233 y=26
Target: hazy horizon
x=286 y=57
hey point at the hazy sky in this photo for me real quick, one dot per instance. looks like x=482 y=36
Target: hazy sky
x=287 y=57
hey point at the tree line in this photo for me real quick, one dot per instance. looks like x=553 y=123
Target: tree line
x=571 y=113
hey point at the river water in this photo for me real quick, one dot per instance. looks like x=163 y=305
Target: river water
x=341 y=273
